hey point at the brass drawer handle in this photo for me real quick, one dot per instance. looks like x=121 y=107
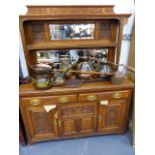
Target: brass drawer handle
x=91 y=98
x=117 y=95
x=63 y=99
x=35 y=101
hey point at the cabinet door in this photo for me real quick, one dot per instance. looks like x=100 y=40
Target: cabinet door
x=77 y=119
x=87 y=122
x=41 y=125
x=68 y=127
x=87 y=125
x=112 y=116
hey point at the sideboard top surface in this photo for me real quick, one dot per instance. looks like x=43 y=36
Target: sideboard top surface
x=29 y=89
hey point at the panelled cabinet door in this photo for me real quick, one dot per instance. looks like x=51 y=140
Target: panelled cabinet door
x=68 y=121
x=87 y=125
x=68 y=127
x=111 y=116
x=77 y=119
x=42 y=125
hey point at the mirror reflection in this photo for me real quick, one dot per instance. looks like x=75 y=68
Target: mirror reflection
x=73 y=55
x=71 y=31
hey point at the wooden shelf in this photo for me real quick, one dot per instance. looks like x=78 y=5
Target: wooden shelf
x=71 y=44
x=29 y=89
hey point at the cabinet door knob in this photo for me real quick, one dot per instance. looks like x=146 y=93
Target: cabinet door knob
x=117 y=95
x=91 y=98
x=63 y=99
x=35 y=101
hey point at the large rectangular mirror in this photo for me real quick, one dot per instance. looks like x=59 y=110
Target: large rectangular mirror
x=71 y=31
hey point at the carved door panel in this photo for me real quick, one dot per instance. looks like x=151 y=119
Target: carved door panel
x=42 y=125
x=112 y=116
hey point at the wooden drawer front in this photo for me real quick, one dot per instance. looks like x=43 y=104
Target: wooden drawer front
x=103 y=95
x=49 y=100
x=114 y=94
x=78 y=110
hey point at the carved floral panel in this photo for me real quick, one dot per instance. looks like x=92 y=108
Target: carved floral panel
x=41 y=122
x=77 y=110
x=106 y=30
x=111 y=115
x=38 y=32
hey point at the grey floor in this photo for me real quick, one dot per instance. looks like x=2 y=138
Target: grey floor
x=100 y=145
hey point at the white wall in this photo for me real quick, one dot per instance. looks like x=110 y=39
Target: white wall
x=125 y=6
x=22 y=59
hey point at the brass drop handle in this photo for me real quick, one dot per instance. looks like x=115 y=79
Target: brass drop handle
x=91 y=98
x=35 y=101
x=117 y=95
x=63 y=99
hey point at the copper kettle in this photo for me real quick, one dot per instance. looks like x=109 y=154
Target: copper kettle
x=85 y=66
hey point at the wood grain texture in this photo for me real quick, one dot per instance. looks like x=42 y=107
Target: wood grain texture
x=76 y=118
x=77 y=112
x=71 y=44
x=29 y=89
x=69 y=10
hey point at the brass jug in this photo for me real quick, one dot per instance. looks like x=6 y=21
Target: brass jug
x=41 y=74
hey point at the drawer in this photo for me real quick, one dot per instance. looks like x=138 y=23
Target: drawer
x=103 y=95
x=49 y=100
